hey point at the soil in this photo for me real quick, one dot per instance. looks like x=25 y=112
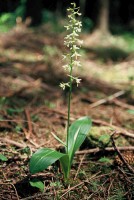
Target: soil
x=32 y=106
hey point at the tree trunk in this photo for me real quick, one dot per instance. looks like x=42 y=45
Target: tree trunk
x=82 y=6
x=34 y=11
x=102 y=24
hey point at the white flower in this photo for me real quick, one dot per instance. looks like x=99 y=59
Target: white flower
x=76 y=55
x=74 y=34
x=73 y=43
x=79 y=14
x=78 y=30
x=80 y=42
x=68 y=37
x=64 y=57
x=63 y=85
x=75 y=47
x=78 y=80
x=79 y=24
x=76 y=63
x=67 y=27
x=73 y=4
x=69 y=16
x=66 y=67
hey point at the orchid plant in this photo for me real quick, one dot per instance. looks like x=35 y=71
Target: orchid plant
x=78 y=130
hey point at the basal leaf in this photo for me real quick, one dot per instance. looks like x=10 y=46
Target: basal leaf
x=77 y=134
x=38 y=184
x=43 y=158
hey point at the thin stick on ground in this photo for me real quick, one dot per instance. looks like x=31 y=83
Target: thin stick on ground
x=109 y=188
x=72 y=188
x=119 y=129
x=12 y=142
x=96 y=150
x=120 y=155
x=30 y=129
x=109 y=98
x=79 y=166
x=122 y=104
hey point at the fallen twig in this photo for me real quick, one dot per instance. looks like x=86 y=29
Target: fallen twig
x=95 y=121
x=79 y=167
x=119 y=154
x=119 y=129
x=20 y=145
x=109 y=98
x=127 y=134
x=29 y=132
x=122 y=104
x=95 y=150
x=72 y=188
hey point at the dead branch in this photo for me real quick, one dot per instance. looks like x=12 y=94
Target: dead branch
x=109 y=98
x=95 y=121
x=128 y=134
x=122 y=104
x=96 y=150
x=20 y=145
x=120 y=155
x=72 y=188
x=119 y=129
x=29 y=132
x=79 y=167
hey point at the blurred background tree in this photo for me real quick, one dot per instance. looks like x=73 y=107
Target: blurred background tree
x=102 y=18
x=34 y=10
x=98 y=15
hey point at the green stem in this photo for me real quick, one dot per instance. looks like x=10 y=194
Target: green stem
x=70 y=90
x=69 y=100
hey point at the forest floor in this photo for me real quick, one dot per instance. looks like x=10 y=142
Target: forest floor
x=32 y=106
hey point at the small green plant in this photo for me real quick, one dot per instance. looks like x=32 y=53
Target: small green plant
x=2 y=102
x=3 y=158
x=8 y=19
x=38 y=184
x=12 y=111
x=105 y=160
x=130 y=112
x=77 y=132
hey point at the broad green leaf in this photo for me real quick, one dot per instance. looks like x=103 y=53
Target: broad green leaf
x=38 y=184
x=77 y=134
x=3 y=158
x=43 y=158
